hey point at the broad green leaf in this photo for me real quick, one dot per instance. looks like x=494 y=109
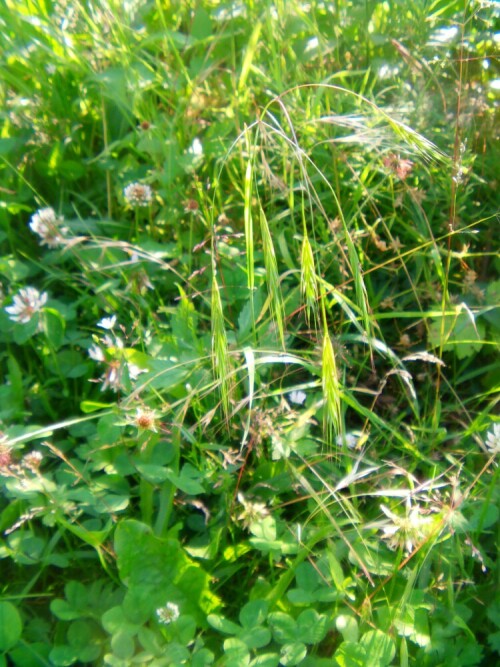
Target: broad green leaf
x=11 y=626
x=254 y=613
x=63 y=655
x=379 y=646
x=186 y=628
x=187 y=481
x=236 y=652
x=266 y=660
x=221 y=624
x=123 y=644
x=61 y=609
x=201 y=26
x=255 y=637
x=283 y=626
x=176 y=654
x=156 y=474
x=202 y=658
x=54 y=327
x=21 y=333
x=311 y=626
x=458 y=333
x=350 y=654
x=144 y=559
x=114 y=619
x=348 y=627
x=34 y=654
x=293 y=654
x=265 y=530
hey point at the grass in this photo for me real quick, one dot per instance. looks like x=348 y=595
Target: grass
x=249 y=409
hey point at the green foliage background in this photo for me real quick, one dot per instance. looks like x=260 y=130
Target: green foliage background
x=285 y=442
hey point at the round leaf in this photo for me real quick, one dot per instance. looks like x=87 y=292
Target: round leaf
x=123 y=645
x=11 y=626
x=292 y=654
x=379 y=646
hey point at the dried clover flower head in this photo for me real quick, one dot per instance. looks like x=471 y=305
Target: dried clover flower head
x=5 y=458
x=191 y=206
x=401 y=167
x=145 y=419
x=168 y=614
x=48 y=226
x=25 y=304
x=137 y=194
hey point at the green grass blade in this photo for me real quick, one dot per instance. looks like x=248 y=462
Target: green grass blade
x=272 y=276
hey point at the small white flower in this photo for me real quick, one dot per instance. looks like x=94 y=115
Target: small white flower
x=493 y=439
x=48 y=226
x=96 y=353
x=350 y=439
x=25 y=304
x=112 y=378
x=137 y=194
x=252 y=512
x=168 y=614
x=196 y=148
x=134 y=371
x=109 y=342
x=298 y=397
x=107 y=322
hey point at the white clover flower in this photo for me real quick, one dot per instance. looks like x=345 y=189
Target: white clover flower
x=25 y=304
x=297 y=396
x=168 y=614
x=137 y=194
x=196 y=148
x=493 y=439
x=350 y=439
x=252 y=512
x=96 y=353
x=134 y=371
x=405 y=531
x=48 y=226
x=107 y=322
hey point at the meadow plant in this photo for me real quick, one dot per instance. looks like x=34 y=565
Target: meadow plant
x=249 y=324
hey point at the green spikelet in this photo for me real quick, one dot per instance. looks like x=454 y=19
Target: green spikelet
x=308 y=278
x=220 y=353
x=331 y=386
